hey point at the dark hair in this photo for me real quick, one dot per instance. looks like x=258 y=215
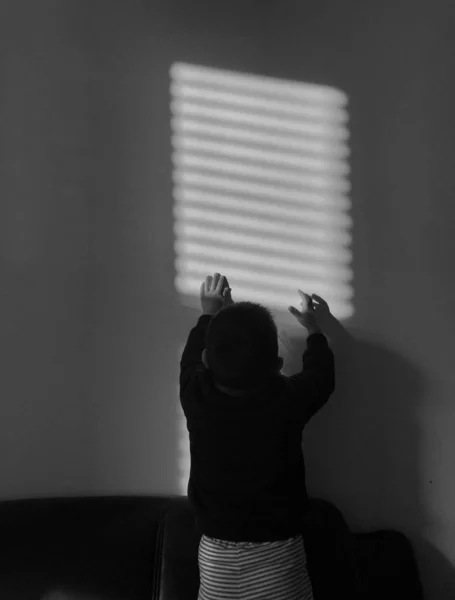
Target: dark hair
x=242 y=345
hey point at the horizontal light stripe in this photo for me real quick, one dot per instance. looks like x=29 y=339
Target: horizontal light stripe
x=276 y=193
x=306 y=250
x=261 y=226
x=322 y=182
x=317 y=216
x=265 y=85
x=216 y=258
x=309 y=128
x=275 y=159
x=248 y=102
x=287 y=143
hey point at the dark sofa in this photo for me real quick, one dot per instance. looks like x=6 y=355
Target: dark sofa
x=145 y=548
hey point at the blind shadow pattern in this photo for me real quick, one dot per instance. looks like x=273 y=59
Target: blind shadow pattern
x=261 y=187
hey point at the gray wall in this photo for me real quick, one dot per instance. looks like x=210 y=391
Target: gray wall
x=92 y=329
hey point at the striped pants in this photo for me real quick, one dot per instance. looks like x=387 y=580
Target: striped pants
x=253 y=571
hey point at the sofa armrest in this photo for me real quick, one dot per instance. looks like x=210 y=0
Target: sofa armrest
x=330 y=549
x=387 y=566
x=178 y=572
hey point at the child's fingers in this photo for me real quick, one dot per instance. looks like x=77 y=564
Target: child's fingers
x=308 y=304
x=320 y=300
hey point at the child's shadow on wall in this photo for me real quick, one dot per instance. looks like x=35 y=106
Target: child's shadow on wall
x=363 y=450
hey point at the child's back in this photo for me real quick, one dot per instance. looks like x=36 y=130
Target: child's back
x=247 y=481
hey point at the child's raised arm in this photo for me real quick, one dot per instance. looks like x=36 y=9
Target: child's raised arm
x=313 y=386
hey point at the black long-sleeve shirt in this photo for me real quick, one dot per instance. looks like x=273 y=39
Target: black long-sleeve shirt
x=247 y=479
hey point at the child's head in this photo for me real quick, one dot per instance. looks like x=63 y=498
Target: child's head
x=242 y=345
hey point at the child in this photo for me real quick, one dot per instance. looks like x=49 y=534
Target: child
x=245 y=421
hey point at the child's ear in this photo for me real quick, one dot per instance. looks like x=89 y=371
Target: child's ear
x=204 y=358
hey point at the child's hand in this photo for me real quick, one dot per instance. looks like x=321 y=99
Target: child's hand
x=215 y=294
x=308 y=317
